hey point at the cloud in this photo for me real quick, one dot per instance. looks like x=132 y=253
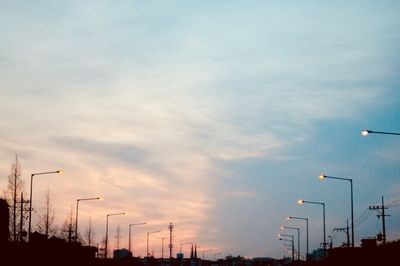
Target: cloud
x=158 y=109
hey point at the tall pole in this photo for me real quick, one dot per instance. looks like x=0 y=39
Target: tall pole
x=383 y=222
x=30 y=199
x=76 y=220
x=381 y=211
x=305 y=219
x=129 y=248
x=21 y=222
x=323 y=208
x=76 y=215
x=307 y=237
x=30 y=209
x=298 y=239
x=347 y=233
x=291 y=240
x=352 y=207
x=147 y=250
x=352 y=215
x=301 y=201
x=106 y=244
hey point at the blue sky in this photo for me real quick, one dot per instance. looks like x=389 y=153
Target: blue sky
x=214 y=115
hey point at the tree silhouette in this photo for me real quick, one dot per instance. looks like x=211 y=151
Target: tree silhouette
x=14 y=190
x=46 y=220
x=68 y=228
x=90 y=233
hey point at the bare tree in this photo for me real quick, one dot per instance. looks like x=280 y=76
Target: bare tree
x=90 y=233
x=46 y=221
x=102 y=248
x=14 y=189
x=68 y=228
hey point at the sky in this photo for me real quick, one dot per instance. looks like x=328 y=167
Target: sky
x=216 y=116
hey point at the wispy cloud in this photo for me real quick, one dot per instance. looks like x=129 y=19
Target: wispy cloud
x=157 y=106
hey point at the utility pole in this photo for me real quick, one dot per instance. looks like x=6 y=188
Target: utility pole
x=21 y=223
x=346 y=230
x=381 y=211
x=21 y=217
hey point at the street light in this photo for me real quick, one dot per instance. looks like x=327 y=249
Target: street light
x=76 y=216
x=30 y=197
x=291 y=240
x=204 y=251
x=352 y=208
x=153 y=232
x=301 y=218
x=298 y=238
x=286 y=248
x=301 y=201
x=365 y=132
x=129 y=248
x=108 y=215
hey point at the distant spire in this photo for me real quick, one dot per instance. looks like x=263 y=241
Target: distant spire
x=191 y=252
x=195 y=251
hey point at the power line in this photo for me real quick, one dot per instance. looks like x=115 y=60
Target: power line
x=393 y=204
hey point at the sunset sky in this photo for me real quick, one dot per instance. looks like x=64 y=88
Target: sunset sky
x=216 y=116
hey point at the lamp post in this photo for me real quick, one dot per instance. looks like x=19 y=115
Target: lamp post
x=129 y=246
x=291 y=240
x=301 y=218
x=351 y=202
x=286 y=247
x=204 y=251
x=76 y=215
x=106 y=244
x=148 y=233
x=30 y=198
x=365 y=132
x=298 y=238
x=301 y=201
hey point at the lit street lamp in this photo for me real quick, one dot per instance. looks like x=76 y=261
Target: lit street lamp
x=153 y=232
x=76 y=215
x=301 y=218
x=298 y=238
x=365 y=132
x=30 y=198
x=301 y=201
x=129 y=247
x=286 y=246
x=290 y=240
x=106 y=244
x=352 y=208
